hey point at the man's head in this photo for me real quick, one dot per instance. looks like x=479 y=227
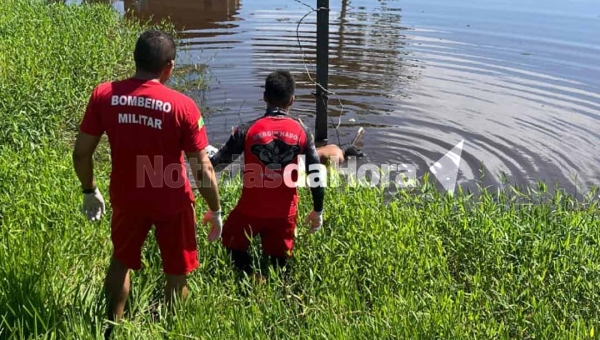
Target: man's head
x=155 y=54
x=279 y=89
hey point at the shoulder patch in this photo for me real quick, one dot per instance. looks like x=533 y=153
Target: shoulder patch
x=200 y=123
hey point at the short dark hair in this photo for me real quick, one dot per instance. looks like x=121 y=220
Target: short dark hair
x=153 y=50
x=279 y=88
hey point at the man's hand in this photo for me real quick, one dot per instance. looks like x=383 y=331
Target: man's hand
x=315 y=219
x=211 y=150
x=93 y=205
x=216 y=224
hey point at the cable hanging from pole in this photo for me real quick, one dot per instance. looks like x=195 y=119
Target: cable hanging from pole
x=312 y=81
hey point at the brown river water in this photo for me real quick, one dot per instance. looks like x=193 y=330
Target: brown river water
x=517 y=80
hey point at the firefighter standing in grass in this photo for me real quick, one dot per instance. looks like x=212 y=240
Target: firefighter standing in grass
x=268 y=205
x=150 y=128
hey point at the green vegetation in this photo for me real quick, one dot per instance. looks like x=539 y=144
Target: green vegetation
x=418 y=265
x=52 y=57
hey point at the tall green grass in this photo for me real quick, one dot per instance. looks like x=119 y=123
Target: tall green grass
x=420 y=264
x=52 y=57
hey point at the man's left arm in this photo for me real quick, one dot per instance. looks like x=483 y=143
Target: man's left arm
x=85 y=145
x=233 y=148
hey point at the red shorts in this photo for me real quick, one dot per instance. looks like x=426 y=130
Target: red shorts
x=276 y=234
x=175 y=235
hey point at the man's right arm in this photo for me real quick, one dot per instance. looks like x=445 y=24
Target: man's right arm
x=314 y=168
x=194 y=141
x=206 y=179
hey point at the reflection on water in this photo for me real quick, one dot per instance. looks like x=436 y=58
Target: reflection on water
x=185 y=14
x=516 y=79
x=362 y=44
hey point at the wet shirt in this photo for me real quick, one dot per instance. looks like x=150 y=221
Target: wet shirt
x=271 y=146
x=149 y=127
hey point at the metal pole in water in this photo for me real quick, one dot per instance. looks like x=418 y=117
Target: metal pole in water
x=322 y=69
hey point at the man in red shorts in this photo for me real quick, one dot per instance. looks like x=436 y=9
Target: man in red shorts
x=268 y=204
x=150 y=127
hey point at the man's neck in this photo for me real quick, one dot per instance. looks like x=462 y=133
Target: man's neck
x=141 y=75
x=274 y=109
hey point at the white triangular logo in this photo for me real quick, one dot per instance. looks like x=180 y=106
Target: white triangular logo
x=446 y=168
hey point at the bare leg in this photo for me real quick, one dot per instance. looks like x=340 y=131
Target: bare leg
x=176 y=288
x=116 y=290
x=331 y=154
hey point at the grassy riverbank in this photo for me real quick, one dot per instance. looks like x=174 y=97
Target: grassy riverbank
x=421 y=265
